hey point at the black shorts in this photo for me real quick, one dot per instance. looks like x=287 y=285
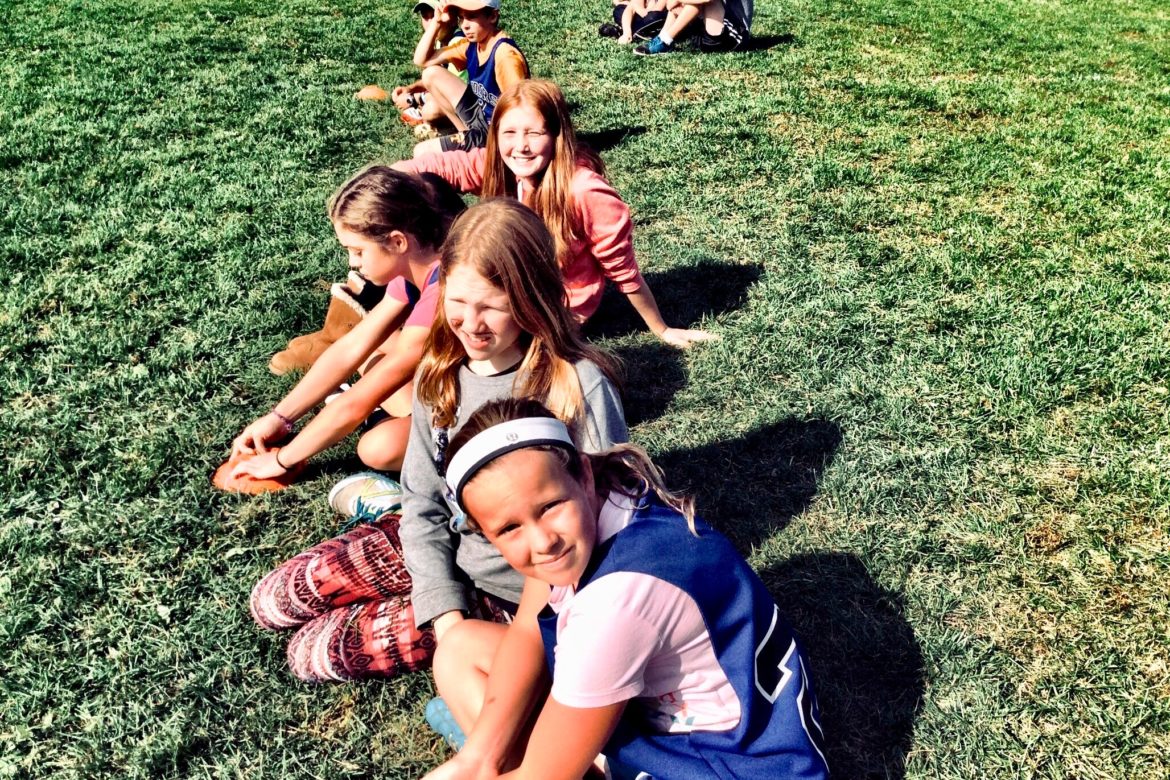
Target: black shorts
x=472 y=112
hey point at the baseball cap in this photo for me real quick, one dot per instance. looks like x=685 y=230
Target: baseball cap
x=475 y=5
x=431 y=4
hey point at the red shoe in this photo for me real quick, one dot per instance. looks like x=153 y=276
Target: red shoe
x=412 y=117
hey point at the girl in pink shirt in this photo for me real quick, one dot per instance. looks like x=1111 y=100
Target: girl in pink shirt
x=532 y=154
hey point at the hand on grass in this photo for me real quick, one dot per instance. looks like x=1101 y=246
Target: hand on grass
x=683 y=338
x=260 y=467
x=257 y=436
x=463 y=766
x=624 y=39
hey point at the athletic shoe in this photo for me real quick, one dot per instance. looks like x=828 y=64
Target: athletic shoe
x=336 y=393
x=609 y=30
x=439 y=718
x=655 y=46
x=412 y=117
x=365 y=496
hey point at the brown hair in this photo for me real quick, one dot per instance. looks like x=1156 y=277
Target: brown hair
x=624 y=468
x=377 y=200
x=508 y=245
x=552 y=199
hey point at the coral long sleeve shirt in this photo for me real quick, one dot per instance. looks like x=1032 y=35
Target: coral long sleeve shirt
x=605 y=249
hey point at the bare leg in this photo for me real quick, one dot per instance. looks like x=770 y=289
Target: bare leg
x=445 y=89
x=462 y=664
x=679 y=20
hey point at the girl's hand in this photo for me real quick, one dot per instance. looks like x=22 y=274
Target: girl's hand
x=624 y=39
x=260 y=467
x=463 y=767
x=683 y=338
x=256 y=437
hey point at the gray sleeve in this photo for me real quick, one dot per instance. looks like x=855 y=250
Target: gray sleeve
x=428 y=544
x=605 y=419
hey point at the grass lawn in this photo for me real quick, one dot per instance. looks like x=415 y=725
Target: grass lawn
x=935 y=236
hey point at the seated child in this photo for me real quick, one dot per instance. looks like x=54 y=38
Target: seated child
x=413 y=100
x=374 y=601
x=636 y=18
x=533 y=155
x=493 y=63
x=392 y=225
x=665 y=651
x=727 y=25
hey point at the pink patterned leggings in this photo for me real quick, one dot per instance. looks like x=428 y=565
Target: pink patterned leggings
x=350 y=596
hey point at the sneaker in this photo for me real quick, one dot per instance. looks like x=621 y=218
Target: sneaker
x=439 y=718
x=365 y=496
x=655 y=46
x=609 y=30
x=341 y=388
x=412 y=117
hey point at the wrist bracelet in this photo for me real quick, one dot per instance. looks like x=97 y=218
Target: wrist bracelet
x=285 y=421
x=276 y=457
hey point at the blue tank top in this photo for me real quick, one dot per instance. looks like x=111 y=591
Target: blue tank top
x=482 y=78
x=779 y=733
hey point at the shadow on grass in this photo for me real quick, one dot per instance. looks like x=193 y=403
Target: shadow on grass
x=654 y=372
x=765 y=42
x=866 y=662
x=685 y=295
x=752 y=486
x=604 y=140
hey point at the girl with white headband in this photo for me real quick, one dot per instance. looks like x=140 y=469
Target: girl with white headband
x=665 y=652
x=374 y=601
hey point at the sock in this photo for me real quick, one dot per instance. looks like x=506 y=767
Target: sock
x=665 y=38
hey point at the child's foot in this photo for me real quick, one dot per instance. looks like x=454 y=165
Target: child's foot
x=609 y=30
x=655 y=46
x=371 y=92
x=425 y=132
x=365 y=496
x=439 y=718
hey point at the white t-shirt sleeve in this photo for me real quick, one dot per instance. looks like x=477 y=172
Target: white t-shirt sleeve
x=608 y=634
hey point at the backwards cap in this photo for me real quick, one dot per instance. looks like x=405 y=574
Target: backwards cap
x=499 y=440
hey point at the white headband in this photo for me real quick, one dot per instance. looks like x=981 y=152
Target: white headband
x=500 y=439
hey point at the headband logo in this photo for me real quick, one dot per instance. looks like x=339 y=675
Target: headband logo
x=512 y=438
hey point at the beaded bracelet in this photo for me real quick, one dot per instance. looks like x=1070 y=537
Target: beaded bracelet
x=285 y=421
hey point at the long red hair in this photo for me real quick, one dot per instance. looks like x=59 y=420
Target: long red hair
x=552 y=200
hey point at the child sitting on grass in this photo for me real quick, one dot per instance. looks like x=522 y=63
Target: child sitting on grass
x=665 y=651
x=493 y=63
x=392 y=225
x=533 y=155
x=502 y=330
x=639 y=18
x=726 y=25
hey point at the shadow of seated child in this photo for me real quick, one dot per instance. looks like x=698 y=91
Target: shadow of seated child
x=864 y=658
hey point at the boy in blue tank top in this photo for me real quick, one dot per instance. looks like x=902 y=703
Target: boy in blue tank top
x=493 y=63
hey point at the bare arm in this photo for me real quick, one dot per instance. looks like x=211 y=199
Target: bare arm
x=342 y=417
x=643 y=302
x=337 y=364
x=426 y=43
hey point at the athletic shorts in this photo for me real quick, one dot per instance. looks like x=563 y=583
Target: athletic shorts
x=473 y=112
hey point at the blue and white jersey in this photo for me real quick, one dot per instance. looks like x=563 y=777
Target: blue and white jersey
x=779 y=733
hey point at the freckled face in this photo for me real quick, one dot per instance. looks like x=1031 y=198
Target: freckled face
x=526 y=146
x=543 y=522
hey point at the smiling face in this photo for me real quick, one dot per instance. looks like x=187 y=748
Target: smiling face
x=480 y=316
x=543 y=522
x=369 y=257
x=525 y=144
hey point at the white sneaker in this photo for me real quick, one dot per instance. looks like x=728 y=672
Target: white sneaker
x=366 y=495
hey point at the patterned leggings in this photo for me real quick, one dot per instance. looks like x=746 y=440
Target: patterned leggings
x=350 y=596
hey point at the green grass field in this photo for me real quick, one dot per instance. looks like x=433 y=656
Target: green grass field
x=935 y=236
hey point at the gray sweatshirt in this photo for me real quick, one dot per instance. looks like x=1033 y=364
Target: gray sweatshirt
x=434 y=553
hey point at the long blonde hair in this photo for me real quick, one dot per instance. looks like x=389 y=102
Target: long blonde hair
x=625 y=468
x=552 y=199
x=509 y=246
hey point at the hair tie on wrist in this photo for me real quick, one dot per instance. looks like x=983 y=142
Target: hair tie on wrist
x=276 y=457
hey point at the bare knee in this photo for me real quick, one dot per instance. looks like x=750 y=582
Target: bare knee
x=430 y=146
x=383 y=447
